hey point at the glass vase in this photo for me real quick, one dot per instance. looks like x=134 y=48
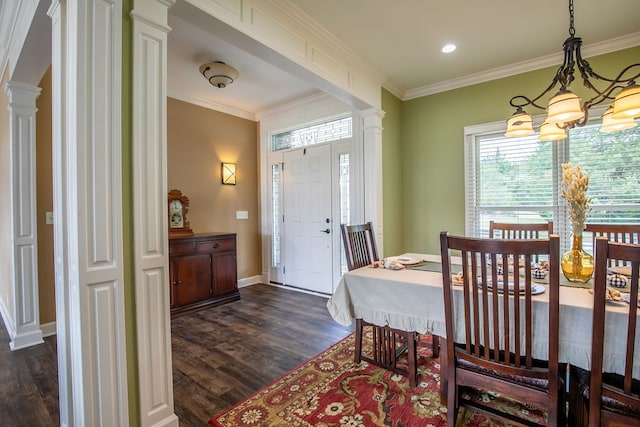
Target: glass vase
x=577 y=265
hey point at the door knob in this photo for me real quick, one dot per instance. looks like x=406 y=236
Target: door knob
x=328 y=230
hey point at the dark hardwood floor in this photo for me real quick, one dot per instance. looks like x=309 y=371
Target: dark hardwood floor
x=224 y=354
x=28 y=384
x=221 y=355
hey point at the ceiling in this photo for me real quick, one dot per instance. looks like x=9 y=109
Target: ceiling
x=402 y=40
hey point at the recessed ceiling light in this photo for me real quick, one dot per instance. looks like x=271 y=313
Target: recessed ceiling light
x=448 y=48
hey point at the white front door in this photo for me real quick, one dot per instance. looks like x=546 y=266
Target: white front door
x=307 y=219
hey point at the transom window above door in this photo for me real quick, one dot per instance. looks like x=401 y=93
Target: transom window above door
x=328 y=131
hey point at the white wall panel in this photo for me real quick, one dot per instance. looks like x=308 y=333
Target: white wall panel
x=266 y=25
x=329 y=65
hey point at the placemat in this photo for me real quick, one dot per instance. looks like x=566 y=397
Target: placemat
x=565 y=282
x=434 y=267
x=437 y=267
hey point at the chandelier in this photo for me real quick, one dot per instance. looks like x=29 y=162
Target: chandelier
x=564 y=110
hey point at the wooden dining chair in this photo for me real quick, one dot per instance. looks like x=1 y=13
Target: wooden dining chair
x=359 y=245
x=620 y=233
x=533 y=230
x=609 y=399
x=489 y=332
x=506 y=230
x=388 y=343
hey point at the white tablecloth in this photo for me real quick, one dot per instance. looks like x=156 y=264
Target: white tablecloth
x=412 y=300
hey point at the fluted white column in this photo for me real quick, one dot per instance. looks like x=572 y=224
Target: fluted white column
x=25 y=330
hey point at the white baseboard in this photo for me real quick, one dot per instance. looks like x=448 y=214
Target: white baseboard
x=8 y=322
x=304 y=291
x=247 y=281
x=48 y=329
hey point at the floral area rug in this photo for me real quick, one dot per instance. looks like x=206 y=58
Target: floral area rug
x=331 y=390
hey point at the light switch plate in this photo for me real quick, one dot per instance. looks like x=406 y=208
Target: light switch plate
x=48 y=218
x=242 y=214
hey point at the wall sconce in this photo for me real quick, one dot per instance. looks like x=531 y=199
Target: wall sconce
x=229 y=173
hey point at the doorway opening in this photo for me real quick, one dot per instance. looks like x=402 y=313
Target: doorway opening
x=310 y=197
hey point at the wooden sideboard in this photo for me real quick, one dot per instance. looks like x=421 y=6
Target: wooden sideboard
x=202 y=271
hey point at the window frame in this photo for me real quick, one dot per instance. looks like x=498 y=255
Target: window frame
x=560 y=154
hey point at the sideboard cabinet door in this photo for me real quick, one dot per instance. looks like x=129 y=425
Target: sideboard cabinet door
x=202 y=271
x=193 y=284
x=225 y=280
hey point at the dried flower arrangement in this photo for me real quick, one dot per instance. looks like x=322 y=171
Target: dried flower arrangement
x=575 y=184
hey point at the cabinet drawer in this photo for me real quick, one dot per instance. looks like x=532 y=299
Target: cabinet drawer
x=181 y=248
x=216 y=245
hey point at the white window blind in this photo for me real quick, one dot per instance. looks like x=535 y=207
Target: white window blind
x=518 y=180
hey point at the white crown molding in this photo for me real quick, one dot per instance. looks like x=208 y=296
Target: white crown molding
x=243 y=114
x=608 y=46
x=217 y=106
x=396 y=90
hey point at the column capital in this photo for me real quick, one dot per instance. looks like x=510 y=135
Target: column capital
x=372 y=118
x=21 y=93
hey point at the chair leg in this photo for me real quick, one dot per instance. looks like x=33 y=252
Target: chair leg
x=435 y=346
x=358 y=351
x=444 y=372
x=577 y=404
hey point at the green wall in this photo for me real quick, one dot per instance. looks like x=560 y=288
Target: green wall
x=432 y=149
x=392 y=175
x=127 y=215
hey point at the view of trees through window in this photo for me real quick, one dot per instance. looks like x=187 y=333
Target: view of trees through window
x=518 y=180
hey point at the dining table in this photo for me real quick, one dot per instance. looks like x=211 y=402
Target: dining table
x=411 y=299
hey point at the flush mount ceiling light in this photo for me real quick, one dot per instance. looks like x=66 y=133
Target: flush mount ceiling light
x=448 y=48
x=218 y=73
x=564 y=109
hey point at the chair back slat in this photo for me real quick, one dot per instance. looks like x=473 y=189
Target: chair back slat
x=506 y=230
x=359 y=245
x=497 y=325
x=628 y=393
x=619 y=233
x=489 y=322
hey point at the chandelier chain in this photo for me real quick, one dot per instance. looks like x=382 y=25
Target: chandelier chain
x=572 y=29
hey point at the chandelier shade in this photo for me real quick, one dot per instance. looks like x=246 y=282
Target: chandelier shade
x=611 y=124
x=218 y=73
x=551 y=132
x=519 y=125
x=627 y=103
x=565 y=109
